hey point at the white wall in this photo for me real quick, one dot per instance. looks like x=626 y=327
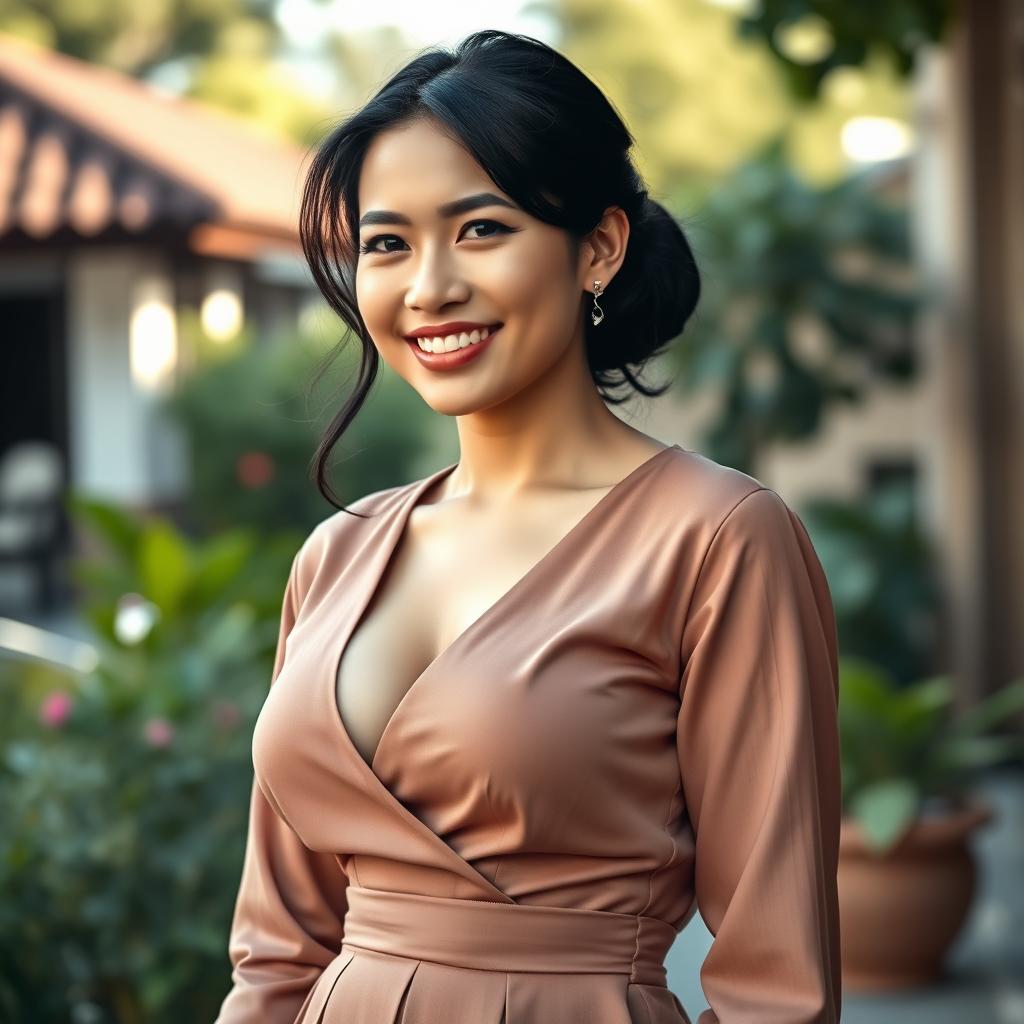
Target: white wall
x=121 y=448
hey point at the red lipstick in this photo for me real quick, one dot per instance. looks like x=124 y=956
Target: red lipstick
x=452 y=327
x=458 y=357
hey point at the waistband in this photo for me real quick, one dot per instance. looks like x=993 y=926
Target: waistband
x=492 y=936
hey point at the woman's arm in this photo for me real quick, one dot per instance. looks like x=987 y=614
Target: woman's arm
x=289 y=914
x=758 y=752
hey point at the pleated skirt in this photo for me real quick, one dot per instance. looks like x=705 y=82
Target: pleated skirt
x=414 y=959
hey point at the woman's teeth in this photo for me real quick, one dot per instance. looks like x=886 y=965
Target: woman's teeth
x=451 y=342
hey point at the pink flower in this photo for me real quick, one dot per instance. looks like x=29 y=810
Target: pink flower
x=56 y=709
x=254 y=469
x=159 y=732
x=226 y=714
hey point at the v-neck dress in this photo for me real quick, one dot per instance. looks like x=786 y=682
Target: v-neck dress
x=644 y=725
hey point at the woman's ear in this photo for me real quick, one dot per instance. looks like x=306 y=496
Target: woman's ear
x=604 y=249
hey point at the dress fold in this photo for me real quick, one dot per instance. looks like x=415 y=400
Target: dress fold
x=370 y=989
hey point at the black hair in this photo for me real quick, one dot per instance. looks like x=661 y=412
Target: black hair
x=548 y=138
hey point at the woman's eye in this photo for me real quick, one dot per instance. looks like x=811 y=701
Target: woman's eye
x=368 y=246
x=502 y=229
x=371 y=244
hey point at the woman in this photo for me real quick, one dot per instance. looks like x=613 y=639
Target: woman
x=502 y=763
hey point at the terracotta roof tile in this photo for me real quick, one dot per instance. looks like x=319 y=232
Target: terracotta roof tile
x=85 y=147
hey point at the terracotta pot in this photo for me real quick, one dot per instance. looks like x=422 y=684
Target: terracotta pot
x=899 y=912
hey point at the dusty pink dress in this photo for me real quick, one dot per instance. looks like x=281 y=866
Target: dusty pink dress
x=643 y=725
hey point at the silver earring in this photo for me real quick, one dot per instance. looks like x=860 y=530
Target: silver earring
x=597 y=313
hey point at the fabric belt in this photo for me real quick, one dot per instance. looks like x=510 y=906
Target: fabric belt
x=491 y=936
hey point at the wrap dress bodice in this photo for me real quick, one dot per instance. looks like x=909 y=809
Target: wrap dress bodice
x=642 y=726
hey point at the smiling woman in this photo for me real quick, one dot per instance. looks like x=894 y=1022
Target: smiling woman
x=505 y=179
x=530 y=712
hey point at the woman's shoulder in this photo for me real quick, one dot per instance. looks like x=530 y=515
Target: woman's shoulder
x=733 y=517
x=706 y=493
x=718 y=511
x=336 y=539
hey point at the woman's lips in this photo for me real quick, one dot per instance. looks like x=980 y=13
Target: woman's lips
x=456 y=358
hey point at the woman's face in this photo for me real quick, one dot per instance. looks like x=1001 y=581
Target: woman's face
x=486 y=265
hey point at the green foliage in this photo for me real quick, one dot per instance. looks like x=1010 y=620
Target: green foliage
x=902 y=747
x=699 y=99
x=881 y=571
x=250 y=83
x=253 y=417
x=801 y=305
x=124 y=790
x=189 y=583
x=695 y=99
x=129 y=36
x=250 y=436
x=845 y=34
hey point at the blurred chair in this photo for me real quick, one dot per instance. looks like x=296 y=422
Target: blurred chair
x=32 y=513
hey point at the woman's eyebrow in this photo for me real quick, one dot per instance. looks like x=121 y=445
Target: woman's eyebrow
x=452 y=209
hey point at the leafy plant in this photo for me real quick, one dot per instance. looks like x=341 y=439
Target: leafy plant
x=802 y=304
x=903 y=749
x=124 y=789
x=881 y=570
x=842 y=34
x=250 y=435
x=252 y=413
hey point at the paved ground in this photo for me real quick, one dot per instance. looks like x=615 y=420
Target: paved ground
x=985 y=977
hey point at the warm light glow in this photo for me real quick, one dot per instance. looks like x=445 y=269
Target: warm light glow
x=870 y=139
x=844 y=86
x=153 y=337
x=221 y=314
x=739 y=6
x=806 y=41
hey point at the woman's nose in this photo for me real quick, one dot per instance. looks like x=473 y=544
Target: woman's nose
x=435 y=283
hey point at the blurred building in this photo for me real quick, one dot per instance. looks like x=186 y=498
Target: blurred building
x=119 y=206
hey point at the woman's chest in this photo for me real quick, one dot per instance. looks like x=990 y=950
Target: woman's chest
x=444 y=575
x=559 y=670
x=527 y=684
x=547 y=725
x=432 y=589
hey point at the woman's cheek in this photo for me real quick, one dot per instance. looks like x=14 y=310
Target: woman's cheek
x=367 y=297
x=376 y=311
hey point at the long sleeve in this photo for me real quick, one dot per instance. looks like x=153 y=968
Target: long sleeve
x=758 y=748
x=290 y=910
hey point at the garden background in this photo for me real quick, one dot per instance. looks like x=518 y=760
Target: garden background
x=849 y=176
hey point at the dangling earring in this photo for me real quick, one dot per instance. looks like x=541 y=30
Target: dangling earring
x=597 y=313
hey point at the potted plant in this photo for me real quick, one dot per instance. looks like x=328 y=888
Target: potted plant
x=906 y=871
